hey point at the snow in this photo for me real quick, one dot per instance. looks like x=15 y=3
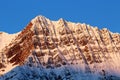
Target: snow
x=5 y=39
x=77 y=71
x=8 y=68
x=72 y=72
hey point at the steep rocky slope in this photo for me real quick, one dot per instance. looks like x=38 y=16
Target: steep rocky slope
x=47 y=45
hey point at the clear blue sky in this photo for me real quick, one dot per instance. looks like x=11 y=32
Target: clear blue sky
x=16 y=14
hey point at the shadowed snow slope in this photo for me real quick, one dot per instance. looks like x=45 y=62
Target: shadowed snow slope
x=60 y=50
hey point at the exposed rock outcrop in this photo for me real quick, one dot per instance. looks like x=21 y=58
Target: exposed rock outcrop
x=55 y=43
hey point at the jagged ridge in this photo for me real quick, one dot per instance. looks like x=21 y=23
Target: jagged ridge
x=57 y=43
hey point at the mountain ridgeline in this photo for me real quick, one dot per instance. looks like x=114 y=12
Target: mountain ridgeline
x=61 y=48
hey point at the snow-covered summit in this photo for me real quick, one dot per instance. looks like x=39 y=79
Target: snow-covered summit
x=51 y=46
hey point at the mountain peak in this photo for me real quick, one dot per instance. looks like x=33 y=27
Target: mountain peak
x=61 y=22
x=47 y=44
x=40 y=18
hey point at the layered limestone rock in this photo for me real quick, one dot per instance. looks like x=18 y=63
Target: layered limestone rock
x=56 y=43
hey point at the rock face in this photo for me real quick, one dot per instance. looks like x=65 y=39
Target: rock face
x=54 y=44
x=22 y=47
